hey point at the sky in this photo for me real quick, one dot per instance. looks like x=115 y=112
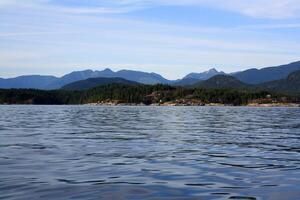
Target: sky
x=170 y=37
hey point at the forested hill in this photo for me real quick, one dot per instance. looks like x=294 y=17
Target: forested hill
x=95 y=82
x=222 y=81
x=146 y=94
x=289 y=85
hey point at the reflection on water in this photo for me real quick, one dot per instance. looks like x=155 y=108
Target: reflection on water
x=85 y=152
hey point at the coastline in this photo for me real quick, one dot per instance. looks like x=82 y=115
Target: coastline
x=168 y=104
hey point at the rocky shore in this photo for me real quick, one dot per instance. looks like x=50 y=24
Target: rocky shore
x=183 y=102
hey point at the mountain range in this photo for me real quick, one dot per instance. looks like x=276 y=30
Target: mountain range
x=257 y=76
x=52 y=82
x=248 y=77
x=289 y=85
x=33 y=81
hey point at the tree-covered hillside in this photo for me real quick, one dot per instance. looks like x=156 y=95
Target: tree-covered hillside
x=146 y=94
x=222 y=81
x=95 y=82
x=289 y=85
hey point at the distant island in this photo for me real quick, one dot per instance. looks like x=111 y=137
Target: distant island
x=274 y=86
x=158 y=95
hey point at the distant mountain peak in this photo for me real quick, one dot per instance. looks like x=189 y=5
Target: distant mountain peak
x=204 y=75
x=222 y=81
x=107 y=70
x=213 y=70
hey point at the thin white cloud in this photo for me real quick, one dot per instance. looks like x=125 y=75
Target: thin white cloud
x=20 y=3
x=271 y=9
x=47 y=5
x=269 y=26
x=13 y=56
x=268 y=9
x=32 y=33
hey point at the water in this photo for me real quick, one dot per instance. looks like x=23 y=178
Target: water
x=86 y=152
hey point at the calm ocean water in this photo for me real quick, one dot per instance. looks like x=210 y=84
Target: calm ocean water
x=86 y=152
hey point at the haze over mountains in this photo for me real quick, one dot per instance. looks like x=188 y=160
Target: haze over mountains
x=216 y=78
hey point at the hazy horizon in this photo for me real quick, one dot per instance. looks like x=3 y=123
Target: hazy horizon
x=172 y=38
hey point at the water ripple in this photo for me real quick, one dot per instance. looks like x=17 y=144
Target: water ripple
x=87 y=152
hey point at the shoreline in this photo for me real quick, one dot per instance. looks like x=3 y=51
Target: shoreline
x=155 y=105
x=272 y=105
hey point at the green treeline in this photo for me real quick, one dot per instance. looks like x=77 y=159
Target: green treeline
x=146 y=94
x=32 y=96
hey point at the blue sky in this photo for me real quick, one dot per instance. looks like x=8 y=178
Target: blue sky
x=170 y=37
